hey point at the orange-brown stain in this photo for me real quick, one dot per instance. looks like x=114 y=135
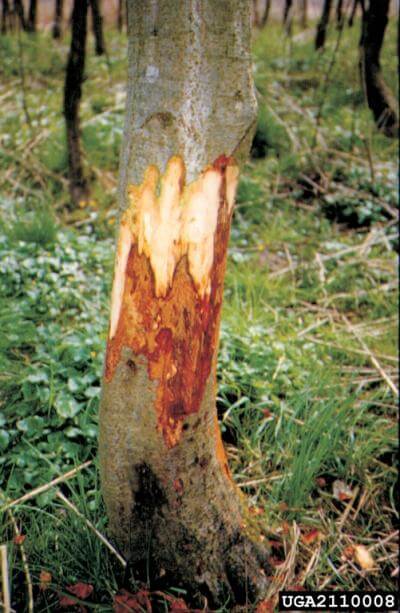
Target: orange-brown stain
x=178 y=331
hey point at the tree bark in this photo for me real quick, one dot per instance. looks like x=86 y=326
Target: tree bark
x=353 y=11
x=304 y=13
x=323 y=25
x=19 y=11
x=380 y=99
x=72 y=97
x=97 y=24
x=31 y=25
x=339 y=14
x=172 y=505
x=120 y=15
x=265 y=16
x=287 y=15
x=5 y=16
x=58 y=15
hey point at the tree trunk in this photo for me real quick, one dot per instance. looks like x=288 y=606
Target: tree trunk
x=31 y=26
x=353 y=11
x=97 y=24
x=265 y=16
x=172 y=505
x=287 y=15
x=120 y=15
x=58 y=14
x=5 y=16
x=339 y=14
x=304 y=13
x=19 y=11
x=323 y=25
x=380 y=99
x=72 y=97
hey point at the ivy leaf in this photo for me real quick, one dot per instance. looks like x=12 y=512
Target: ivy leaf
x=4 y=439
x=66 y=405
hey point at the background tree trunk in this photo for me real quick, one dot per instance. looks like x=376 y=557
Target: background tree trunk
x=32 y=14
x=380 y=99
x=353 y=12
x=260 y=12
x=323 y=25
x=5 y=16
x=265 y=16
x=287 y=15
x=172 y=505
x=304 y=13
x=120 y=15
x=58 y=15
x=72 y=97
x=19 y=11
x=97 y=23
x=339 y=14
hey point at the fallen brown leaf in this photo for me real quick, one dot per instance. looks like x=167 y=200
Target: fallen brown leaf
x=265 y=606
x=44 y=580
x=19 y=539
x=348 y=553
x=125 y=602
x=311 y=536
x=79 y=590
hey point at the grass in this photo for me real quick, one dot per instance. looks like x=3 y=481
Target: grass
x=310 y=292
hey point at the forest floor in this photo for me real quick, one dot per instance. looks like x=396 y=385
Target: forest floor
x=308 y=360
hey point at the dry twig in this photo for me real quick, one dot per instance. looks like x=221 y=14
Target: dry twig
x=4 y=579
x=371 y=356
x=25 y=565
x=45 y=487
x=89 y=524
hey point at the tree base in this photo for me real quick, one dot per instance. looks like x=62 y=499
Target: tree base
x=176 y=513
x=214 y=559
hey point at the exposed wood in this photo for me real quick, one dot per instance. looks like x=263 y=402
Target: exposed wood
x=72 y=97
x=172 y=246
x=380 y=99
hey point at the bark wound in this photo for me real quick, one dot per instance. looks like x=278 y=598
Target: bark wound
x=168 y=284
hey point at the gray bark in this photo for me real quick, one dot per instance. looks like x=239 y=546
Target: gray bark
x=190 y=87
